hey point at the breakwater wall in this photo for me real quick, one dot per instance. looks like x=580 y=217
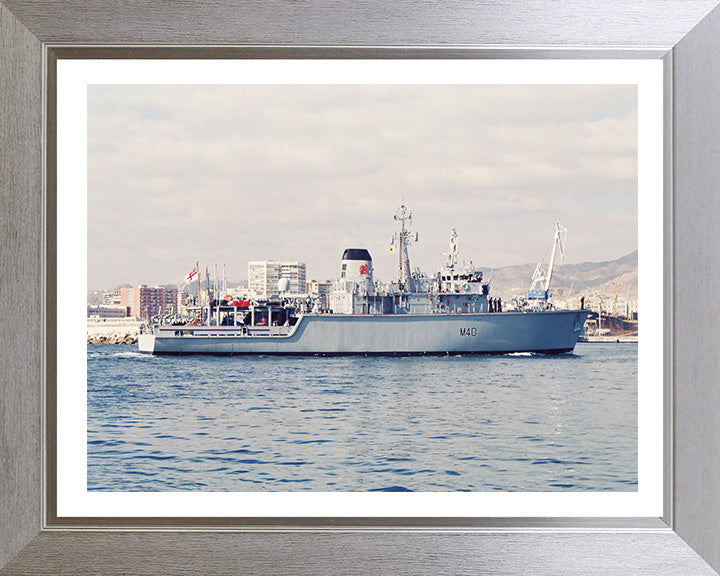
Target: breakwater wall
x=112 y=331
x=113 y=339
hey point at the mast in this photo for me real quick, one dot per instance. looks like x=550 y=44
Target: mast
x=452 y=253
x=216 y=289
x=404 y=238
x=452 y=259
x=207 y=290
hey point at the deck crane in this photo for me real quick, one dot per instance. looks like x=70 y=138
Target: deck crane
x=540 y=287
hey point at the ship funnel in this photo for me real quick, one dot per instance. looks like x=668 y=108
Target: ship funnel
x=357 y=267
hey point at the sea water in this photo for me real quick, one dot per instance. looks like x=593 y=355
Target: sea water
x=517 y=422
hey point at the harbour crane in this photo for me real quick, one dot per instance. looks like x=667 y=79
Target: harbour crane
x=540 y=287
x=615 y=299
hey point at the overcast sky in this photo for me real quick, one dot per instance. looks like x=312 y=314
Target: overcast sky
x=228 y=174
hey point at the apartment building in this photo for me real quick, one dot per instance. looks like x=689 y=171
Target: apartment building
x=263 y=277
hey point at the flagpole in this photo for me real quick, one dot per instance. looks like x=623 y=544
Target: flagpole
x=197 y=267
x=207 y=289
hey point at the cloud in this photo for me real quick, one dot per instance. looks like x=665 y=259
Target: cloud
x=237 y=173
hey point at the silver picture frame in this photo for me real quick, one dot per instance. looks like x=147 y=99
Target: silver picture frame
x=684 y=34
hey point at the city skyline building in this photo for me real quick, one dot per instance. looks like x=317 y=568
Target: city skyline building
x=112 y=297
x=150 y=301
x=263 y=277
x=108 y=311
x=141 y=301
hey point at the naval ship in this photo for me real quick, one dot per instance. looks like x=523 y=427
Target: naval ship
x=448 y=313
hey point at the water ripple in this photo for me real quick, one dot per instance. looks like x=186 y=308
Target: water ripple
x=460 y=423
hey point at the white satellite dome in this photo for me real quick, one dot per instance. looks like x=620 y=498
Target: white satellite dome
x=283 y=285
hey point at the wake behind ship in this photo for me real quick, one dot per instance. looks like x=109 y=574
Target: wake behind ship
x=448 y=313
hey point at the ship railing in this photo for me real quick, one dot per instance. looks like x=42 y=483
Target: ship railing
x=270 y=330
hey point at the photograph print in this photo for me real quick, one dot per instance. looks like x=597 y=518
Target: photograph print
x=361 y=288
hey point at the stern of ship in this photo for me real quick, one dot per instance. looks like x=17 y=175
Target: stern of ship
x=146 y=340
x=146 y=343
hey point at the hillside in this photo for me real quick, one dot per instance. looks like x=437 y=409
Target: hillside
x=597 y=278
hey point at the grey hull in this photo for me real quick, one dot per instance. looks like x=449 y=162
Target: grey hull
x=396 y=335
